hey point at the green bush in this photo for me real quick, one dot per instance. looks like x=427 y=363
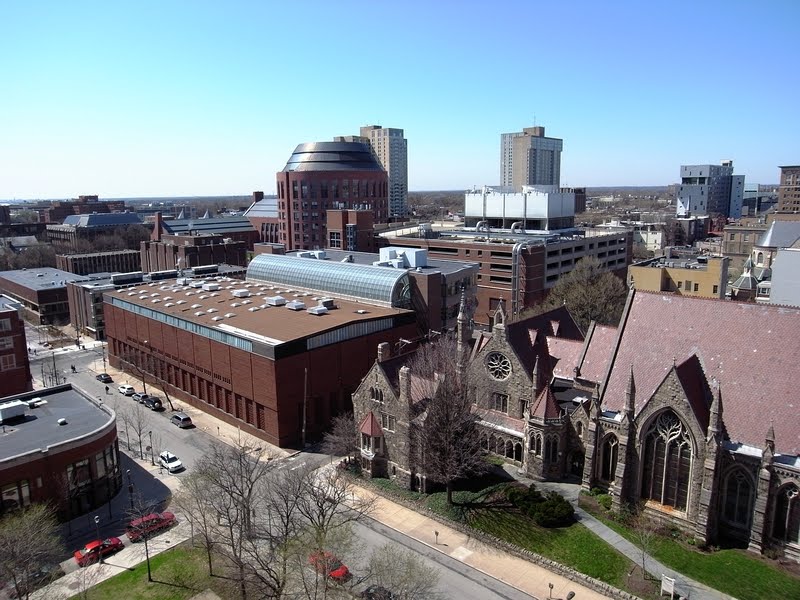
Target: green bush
x=596 y=491
x=555 y=511
x=605 y=501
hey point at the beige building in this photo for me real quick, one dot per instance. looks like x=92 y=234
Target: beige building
x=789 y=190
x=528 y=157
x=702 y=276
x=391 y=148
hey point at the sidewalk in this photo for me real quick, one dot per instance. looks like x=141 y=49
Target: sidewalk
x=521 y=574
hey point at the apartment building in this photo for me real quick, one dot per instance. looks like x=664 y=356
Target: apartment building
x=701 y=276
x=710 y=190
x=528 y=157
x=789 y=189
x=391 y=148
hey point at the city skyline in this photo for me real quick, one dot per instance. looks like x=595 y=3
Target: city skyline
x=200 y=99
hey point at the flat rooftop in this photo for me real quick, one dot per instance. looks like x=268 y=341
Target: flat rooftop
x=507 y=238
x=446 y=267
x=45 y=278
x=39 y=428
x=219 y=312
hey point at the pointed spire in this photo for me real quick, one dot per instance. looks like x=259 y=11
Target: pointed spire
x=180 y=215
x=500 y=315
x=769 y=442
x=535 y=377
x=207 y=215
x=462 y=307
x=630 y=395
x=715 y=419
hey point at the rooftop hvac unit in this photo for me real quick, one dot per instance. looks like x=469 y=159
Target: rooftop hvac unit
x=189 y=294
x=181 y=280
x=203 y=297
x=276 y=301
x=327 y=303
x=229 y=315
x=180 y=302
x=318 y=310
x=241 y=293
x=197 y=284
x=319 y=254
x=218 y=318
x=246 y=302
x=196 y=305
x=211 y=287
x=12 y=410
x=295 y=305
x=154 y=294
x=361 y=311
x=155 y=301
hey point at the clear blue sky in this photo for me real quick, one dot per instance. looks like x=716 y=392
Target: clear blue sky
x=158 y=98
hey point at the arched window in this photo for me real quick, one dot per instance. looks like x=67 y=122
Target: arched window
x=760 y=259
x=539 y=445
x=738 y=498
x=667 y=461
x=551 y=449
x=786 y=525
x=579 y=429
x=509 y=449
x=484 y=443
x=518 y=451
x=608 y=468
x=492 y=444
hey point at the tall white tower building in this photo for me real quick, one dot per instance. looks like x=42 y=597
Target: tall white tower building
x=528 y=157
x=391 y=148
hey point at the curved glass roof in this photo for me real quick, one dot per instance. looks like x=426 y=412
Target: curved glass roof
x=381 y=284
x=333 y=156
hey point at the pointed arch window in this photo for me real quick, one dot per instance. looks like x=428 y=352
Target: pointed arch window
x=667 y=461
x=608 y=468
x=738 y=497
x=551 y=448
x=786 y=525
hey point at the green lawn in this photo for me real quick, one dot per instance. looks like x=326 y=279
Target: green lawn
x=732 y=571
x=178 y=574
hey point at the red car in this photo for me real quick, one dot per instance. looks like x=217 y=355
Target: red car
x=92 y=551
x=327 y=564
x=148 y=525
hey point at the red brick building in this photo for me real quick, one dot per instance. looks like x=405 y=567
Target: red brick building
x=15 y=368
x=56 y=212
x=187 y=251
x=326 y=176
x=115 y=261
x=74 y=464
x=266 y=354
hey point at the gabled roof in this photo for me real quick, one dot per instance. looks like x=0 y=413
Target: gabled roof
x=546 y=405
x=522 y=335
x=752 y=350
x=599 y=350
x=369 y=425
x=565 y=354
x=693 y=379
x=103 y=219
x=221 y=225
x=780 y=234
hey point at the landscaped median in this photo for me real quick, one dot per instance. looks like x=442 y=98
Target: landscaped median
x=733 y=571
x=488 y=515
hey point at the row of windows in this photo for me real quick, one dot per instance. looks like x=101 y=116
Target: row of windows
x=346 y=188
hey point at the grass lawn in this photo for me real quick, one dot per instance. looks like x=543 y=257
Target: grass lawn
x=178 y=574
x=733 y=571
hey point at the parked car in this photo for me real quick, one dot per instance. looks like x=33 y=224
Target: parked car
x=170 y=462
x=148 y=525
x=104 y=378
x=36 y=579
x=92 y=551
x=126 y=389
x=153 y=403
x=377 y=592
x=327 y=564
x=182 y=420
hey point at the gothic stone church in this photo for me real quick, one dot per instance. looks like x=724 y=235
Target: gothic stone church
x=687 y=408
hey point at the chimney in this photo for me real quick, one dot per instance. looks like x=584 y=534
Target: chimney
x=156 y=235
x=405 y=384
x=384 y=351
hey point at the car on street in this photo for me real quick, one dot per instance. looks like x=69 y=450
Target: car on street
x=153 y=403
x=149 y=525
x=326 y=563
x=126 y=390
x=92 y=551
x=181 y=420
x=376 y=592
x=104 y=378
x=170 y=462
x=140 y=397
x=27 y=585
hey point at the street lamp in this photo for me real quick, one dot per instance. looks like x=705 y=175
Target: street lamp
x=97 y=526
x=130 y=488
x=152 y=459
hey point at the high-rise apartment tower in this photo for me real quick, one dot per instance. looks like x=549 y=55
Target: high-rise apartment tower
x=710 y=190
x=528 y=157
x=391 y=148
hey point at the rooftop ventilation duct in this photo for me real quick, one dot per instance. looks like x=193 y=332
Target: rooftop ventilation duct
x=318 y=310
x=295 y=305
x=276 y=301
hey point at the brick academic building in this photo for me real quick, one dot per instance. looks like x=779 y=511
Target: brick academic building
x=278 y=354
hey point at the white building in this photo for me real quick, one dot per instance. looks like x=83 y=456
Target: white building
x=785 y=288
x=539 y=208
x=391 y=148
x=527 y=157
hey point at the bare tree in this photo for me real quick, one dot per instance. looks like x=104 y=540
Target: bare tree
x=403 y=573
x=342 y=438
x=645 y=531
x=29 y=541
x=445 y=431
x=194 y=499
x=136 y=420
x=148 y=365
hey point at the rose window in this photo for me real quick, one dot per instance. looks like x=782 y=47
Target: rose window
x=498 y=366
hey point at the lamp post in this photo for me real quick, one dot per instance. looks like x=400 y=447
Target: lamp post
x=152 y=458
x=97 y=526
x=130 y=488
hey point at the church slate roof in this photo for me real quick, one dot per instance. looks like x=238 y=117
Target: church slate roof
x=752 y=350
x=566 y=354
x=781 y=234
x=599 y=349
x=522 y=334
x=546 y=405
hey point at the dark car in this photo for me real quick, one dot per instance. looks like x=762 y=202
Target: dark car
x=36 y=579
x=377 y=592
x=149 y=525
x=153 y=403
x=92 y=551
x=105 y=378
